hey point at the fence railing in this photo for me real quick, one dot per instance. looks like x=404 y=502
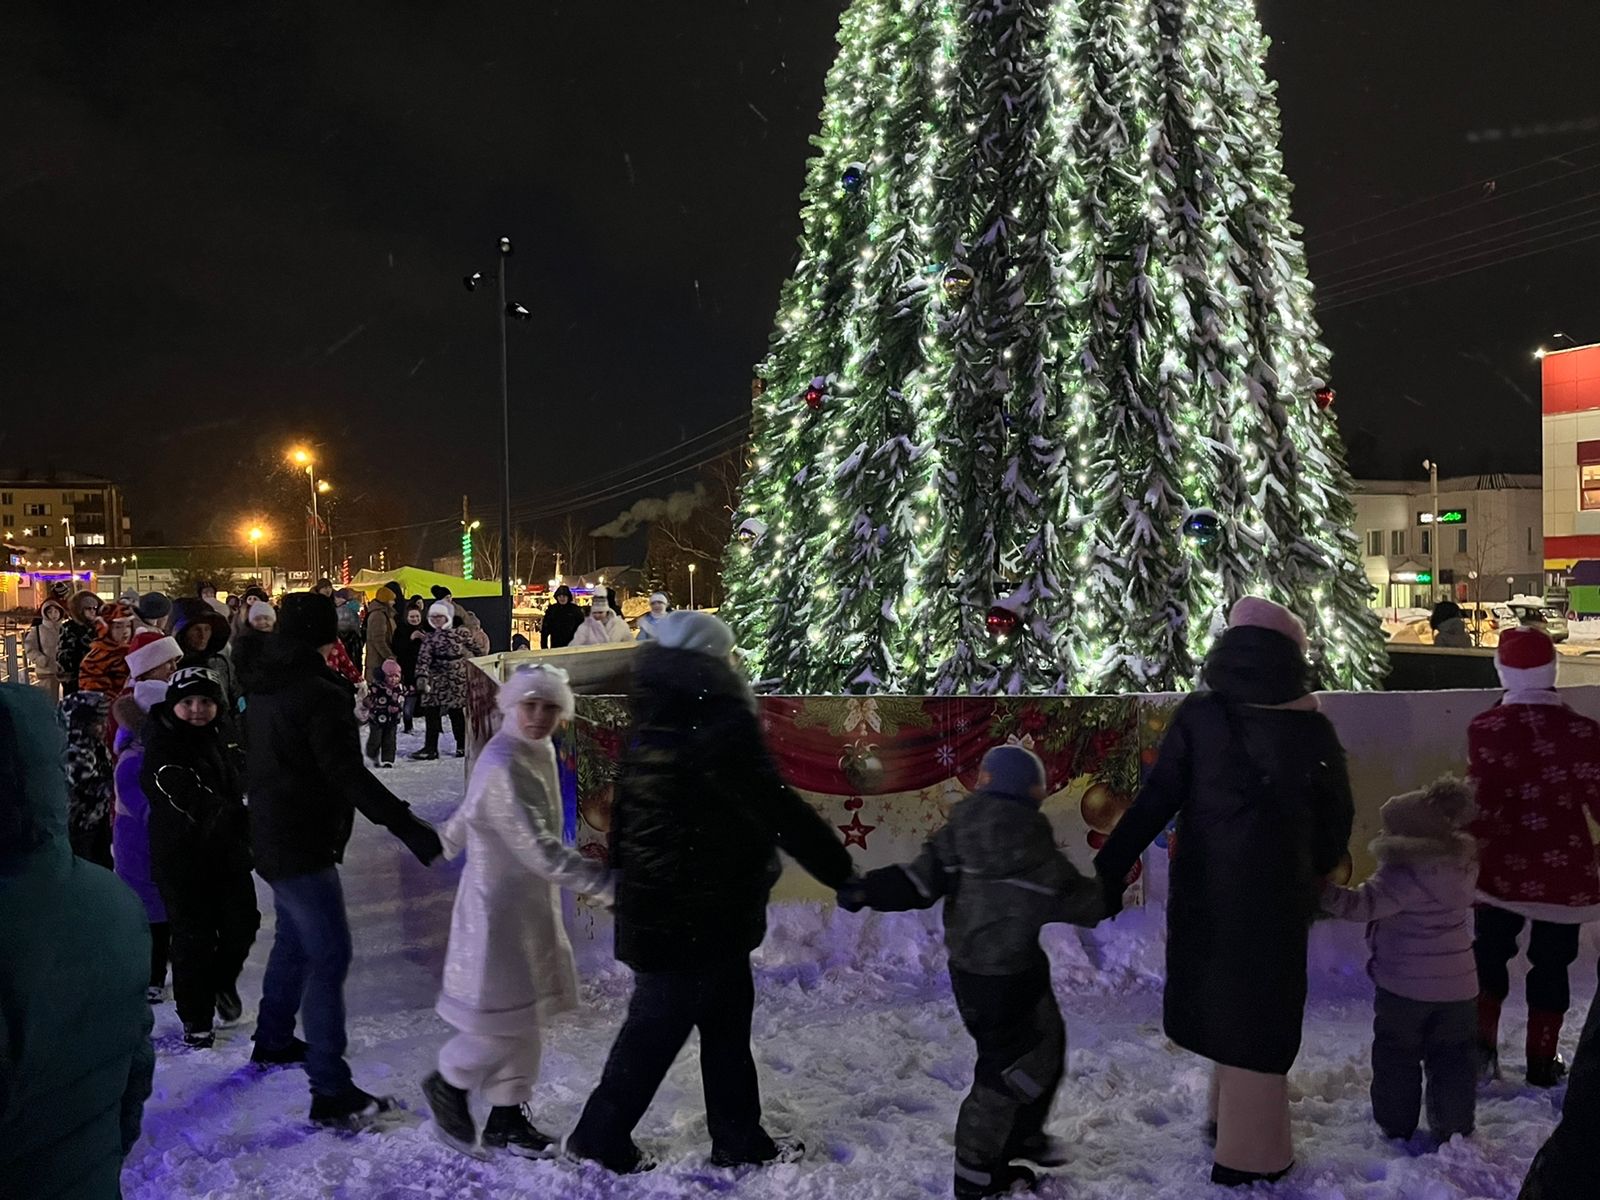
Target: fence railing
x=13 y=663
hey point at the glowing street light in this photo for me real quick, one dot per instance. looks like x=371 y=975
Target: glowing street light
x=691 y=585
x=256 y=534
x=301 y=457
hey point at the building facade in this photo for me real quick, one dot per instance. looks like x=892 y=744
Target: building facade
x=1490 y=539
x=55 y=513
x=1571 y=420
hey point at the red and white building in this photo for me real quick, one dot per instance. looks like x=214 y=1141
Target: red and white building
x=1571 y=421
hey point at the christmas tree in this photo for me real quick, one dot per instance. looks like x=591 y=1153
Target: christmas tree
x=1046 y=392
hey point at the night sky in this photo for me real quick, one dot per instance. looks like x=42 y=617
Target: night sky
x=223 y=226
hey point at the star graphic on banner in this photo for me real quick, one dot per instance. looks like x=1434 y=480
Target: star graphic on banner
x=855 y=833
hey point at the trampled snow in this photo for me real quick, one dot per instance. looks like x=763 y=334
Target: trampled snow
x=860 y=1053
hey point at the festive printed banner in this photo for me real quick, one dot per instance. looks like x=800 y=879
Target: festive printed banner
x=886 y=770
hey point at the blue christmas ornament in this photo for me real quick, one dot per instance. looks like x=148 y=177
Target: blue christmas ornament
x=1203 y=528
x=854 y=176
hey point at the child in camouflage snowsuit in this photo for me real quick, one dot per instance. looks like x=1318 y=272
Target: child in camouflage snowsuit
x=997 y=866
x=90 y=773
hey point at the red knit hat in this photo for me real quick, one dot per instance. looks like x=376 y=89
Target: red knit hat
x=1526 y=660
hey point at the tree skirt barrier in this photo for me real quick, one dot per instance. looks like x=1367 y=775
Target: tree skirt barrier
x=885 y=770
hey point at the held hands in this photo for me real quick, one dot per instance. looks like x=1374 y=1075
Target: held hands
x=852 y=894
x=421 y=840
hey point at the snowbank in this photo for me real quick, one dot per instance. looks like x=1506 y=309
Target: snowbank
x=860 y=1052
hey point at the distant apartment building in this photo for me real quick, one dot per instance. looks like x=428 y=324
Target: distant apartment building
x=1490 y=535
x=40 y=510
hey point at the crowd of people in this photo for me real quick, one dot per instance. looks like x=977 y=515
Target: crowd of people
x=218 y=768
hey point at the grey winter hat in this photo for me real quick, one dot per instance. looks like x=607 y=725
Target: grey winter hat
x=1012 y=771
x=689 y=629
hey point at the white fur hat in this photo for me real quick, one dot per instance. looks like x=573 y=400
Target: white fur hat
x=690 y=629
x=440 y=608
x=147 y=693
x=537 y=683
x=260 y=608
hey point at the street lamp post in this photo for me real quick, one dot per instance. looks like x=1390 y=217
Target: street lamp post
x=72 y=552
x=1432 y=468
x=323 y=489
x=691 y=585
x=255 y=544
x=509 y=311
x=304 y=459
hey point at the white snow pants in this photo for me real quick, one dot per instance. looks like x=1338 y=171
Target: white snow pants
x=502 y=1070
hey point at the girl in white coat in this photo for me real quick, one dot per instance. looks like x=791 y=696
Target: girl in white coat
x=509 y=966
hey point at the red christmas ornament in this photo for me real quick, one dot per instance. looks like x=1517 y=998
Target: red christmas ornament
x=1002 y=622
x=1325 y=398
x=813 y=397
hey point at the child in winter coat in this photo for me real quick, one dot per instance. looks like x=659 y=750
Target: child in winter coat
x=130 y=822
x=1003 y=879
x=105 y=667
x=77 y=635
x=385 y=704
x=1418 y=909
x=603 y=627
x=42 y=644
x=89 y=771
x=1537 y=766
x=509 y=966
x=442 y=679
x=193 y=776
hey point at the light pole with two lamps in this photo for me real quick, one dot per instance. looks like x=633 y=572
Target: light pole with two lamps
x=508 y=312
x=303 y=458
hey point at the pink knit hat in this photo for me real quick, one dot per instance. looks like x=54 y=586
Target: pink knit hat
x=1264 y=614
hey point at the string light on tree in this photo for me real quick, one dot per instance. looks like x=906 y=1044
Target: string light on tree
x=1110 y=173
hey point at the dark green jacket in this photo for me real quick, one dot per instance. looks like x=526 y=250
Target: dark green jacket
x=75 y=1054
x=1002 y=878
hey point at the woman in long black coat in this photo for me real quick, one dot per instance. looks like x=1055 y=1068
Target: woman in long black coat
x=1256 y=777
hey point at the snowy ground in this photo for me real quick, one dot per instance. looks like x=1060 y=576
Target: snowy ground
x=860 y=1053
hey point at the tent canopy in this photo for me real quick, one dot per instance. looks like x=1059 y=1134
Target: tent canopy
x=417 y=582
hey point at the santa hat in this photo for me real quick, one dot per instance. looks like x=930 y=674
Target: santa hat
x=1526 y=660
x=537 y=683
x=148 y=650
x=1259 y=613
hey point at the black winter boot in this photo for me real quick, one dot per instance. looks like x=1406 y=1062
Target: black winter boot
x=999 y=1182
x=509 y=1129
x=1228 y=1177
x=350 y=1109
x=452 y=1119
x=229 y=1007
x=777 y=1150
x=284 y=1056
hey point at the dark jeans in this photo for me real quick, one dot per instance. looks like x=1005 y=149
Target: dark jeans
x=159 y=934
x=213 y=922
x=1564 y=1169
x=1022 y=1049
x=432 y=727
x=1411 y=1038
x=665 y=1007
x=305 y=975
x=1551 y=950
x=380 y=741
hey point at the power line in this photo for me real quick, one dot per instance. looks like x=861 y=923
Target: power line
x=1478 y=184
x=1325 y=277
x=1344 y=302
x=1512 y=240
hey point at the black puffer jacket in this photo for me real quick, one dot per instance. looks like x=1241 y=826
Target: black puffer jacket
x=559 y=625
x=996 y=864
x=188 y=611
x=700 y=815
x=193 y=777
x=1256 y=778
x=306 y=774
